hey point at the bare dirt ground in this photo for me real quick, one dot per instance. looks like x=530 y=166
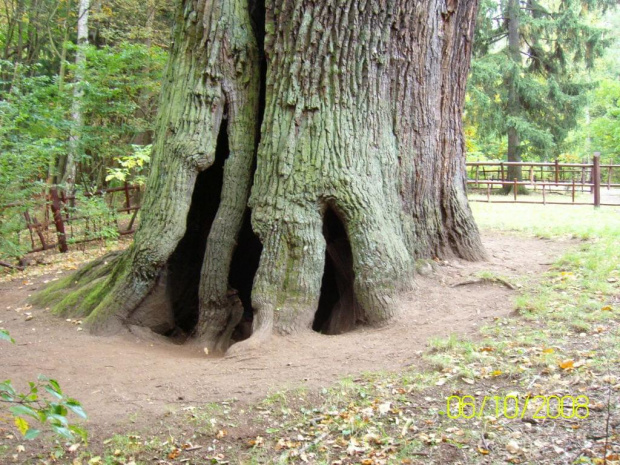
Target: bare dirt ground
x=127 y=380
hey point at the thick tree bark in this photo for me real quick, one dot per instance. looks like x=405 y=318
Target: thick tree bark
x=361 y=160
x=214 y=66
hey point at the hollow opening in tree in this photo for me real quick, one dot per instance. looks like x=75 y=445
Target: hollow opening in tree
x=241 y=278
x=185 y=263
x=338 y=308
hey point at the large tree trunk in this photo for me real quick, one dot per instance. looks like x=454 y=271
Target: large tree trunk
x=360 y=170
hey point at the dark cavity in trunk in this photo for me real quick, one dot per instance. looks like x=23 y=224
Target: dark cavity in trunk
x=338 y=308
x=185 y=263
x=241 y=278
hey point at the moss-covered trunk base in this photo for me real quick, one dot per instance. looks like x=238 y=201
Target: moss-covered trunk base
x=359 y=172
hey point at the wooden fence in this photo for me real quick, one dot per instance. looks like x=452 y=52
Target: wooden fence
x=548 y=178
x=62 y=212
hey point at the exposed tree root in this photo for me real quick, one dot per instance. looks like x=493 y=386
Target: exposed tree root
x=486 y=281
x=76 y=295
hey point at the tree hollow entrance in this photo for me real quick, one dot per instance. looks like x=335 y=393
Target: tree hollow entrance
x=338 y=308
x=185 y=263
x=241 y=279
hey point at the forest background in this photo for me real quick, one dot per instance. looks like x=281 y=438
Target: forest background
x=80 y=82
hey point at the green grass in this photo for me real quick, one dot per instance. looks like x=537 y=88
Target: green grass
x=549 y=221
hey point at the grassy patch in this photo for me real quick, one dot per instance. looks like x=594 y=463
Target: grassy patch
x=549 y=221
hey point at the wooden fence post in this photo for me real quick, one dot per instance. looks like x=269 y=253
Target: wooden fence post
x=515 y=187
x=34 y=223
x=29 y=225
x=128 y=199
x=596 y=178
x=60 y=227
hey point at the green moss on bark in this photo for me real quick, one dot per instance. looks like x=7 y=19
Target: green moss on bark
x=362 y=116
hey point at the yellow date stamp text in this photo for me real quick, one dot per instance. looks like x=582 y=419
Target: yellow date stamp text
x=511 y=406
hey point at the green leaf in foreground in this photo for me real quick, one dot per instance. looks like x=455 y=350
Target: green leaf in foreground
x=76 y=408
x=5 y=336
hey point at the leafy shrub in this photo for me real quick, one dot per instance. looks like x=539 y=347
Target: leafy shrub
x=51 y=410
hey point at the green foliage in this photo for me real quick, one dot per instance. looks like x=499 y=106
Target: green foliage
x=542 y=94
x=32 y=129
x=132 y=167
x=121 y=85
x=23 y=25
x=5 y=336
x=100 y=218
x=605 y=126
x=37 y=31
x=45 y=403
x=599 y=129
x=133 y=21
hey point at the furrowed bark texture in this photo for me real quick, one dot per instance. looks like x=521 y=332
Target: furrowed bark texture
x=430 y=61
x=213 y=66
x=362 y=116
x=361 y=156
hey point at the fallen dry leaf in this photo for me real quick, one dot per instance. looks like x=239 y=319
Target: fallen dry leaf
x=513 y=447
x=259 y=441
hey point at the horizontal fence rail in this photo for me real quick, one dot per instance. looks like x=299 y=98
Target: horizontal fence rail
x=547 y=178
x=58 y=227
x=63 y=224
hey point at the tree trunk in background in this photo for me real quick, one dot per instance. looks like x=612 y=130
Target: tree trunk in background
x=63 y=51
x=53 y=175
x=360 y=167
x=514 y=48
x=68 y=164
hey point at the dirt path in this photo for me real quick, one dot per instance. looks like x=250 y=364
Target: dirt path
x=123 y=378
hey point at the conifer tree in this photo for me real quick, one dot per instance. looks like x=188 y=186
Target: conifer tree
x=527 y=81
